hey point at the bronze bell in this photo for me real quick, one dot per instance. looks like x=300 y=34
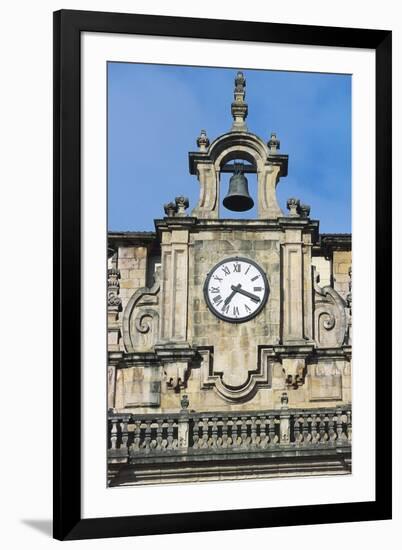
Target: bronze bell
x=238 y=198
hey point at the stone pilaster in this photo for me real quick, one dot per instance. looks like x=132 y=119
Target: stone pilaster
x=174 y=286
x=307 y=288
x=292 y=287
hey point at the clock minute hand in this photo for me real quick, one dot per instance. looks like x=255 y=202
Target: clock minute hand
x=245 y=293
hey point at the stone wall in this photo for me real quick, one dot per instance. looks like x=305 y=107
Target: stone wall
x=341 y=264
x=226 y=355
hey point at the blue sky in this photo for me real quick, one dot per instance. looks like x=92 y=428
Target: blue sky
x=155 y=113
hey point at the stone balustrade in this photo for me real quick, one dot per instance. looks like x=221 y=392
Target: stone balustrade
x=191 y=433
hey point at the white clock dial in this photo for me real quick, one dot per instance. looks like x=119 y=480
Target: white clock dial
x=236 y=289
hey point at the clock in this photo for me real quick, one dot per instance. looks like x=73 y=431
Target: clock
x=236 y=289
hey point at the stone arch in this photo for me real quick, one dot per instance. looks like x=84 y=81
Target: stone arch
x=235 y=145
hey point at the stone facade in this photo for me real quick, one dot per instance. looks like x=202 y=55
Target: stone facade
x=188 y=390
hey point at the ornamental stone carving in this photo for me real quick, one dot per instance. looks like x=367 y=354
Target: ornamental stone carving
x=261 y=376
x=113 y=299
x=330 y=322
x=141 y=318
x=176 y=208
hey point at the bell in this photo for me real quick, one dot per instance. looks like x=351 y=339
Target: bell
x=238 y=198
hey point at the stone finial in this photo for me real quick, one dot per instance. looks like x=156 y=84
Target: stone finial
x=203 y=141
x=304 y=210
x=284 y=400
x=181 y=205
x=176 y=208
x=170 y=209
x=239 y=106
x=184 y=402
x=273 y=144
x=293 y=207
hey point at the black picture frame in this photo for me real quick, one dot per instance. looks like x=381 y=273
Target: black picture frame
x=68 y=522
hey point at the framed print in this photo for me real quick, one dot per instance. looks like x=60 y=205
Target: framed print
x=212 y=182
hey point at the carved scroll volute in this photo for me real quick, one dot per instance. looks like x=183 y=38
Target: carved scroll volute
x=141 y=319
x=144 y=329
x=330 y=321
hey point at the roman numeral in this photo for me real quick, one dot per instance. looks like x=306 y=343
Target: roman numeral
x=247 y=270
x=226 y=270
x=217 y=299
x=236 y=268
x=257 y=288
x=214 y=290
x=225 y=308
x=255 y=278
x=247 y=308
x=235 y=310
x=216 y=278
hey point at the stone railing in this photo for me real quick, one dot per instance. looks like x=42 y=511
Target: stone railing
x=191 y=433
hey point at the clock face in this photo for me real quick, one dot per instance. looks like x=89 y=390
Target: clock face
x=236 y=289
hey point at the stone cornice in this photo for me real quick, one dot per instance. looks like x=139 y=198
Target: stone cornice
x=132 y=238
x=328 y=242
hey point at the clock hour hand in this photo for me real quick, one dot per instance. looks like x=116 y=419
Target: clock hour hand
x=245 y=293
x=234 y=290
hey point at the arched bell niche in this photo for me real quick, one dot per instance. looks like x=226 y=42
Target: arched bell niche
x=208 y=164
x=228 y=168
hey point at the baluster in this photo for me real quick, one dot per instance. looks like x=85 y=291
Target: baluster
x=296 y=430
x=305 y=432
x=243 y=432
x=222 y=439
x=253 y=432
x=147 y=439
x=113 y=433
x=314 y=434
x=338 y=420
x=349 y=425
x=264 y=439
x=169 y=435
x=196 y=437
x=175 y=428
x=205 y=435
x=235 y=436
x=214 y=432
x=137 y=437
x=323 y=432
x=159 y=434
x=273 y=438
x=331 y=431
x=124 y=434
x=230 y=433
